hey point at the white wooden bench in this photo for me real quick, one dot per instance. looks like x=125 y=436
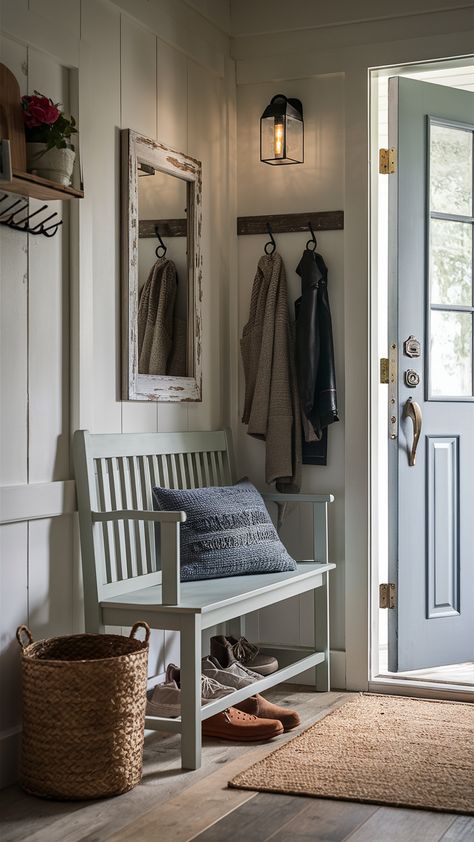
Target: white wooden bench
x=125 y=582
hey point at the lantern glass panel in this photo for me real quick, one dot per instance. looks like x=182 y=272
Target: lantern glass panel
x=294 y=140
x=267 y=134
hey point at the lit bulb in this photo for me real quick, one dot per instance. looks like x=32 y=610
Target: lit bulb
x=278 y=139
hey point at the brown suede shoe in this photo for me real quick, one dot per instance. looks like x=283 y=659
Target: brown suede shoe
x=233 y=724
x=258 y=706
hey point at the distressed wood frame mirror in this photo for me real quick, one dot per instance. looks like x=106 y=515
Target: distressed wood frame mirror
x=161 y=272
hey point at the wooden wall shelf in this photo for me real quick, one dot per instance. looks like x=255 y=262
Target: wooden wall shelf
x=166 y=227
x=12 y=129
x=289 y=223
x=27 y=184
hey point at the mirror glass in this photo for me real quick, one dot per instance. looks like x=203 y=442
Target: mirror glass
x=162 y=268
x=163 y=274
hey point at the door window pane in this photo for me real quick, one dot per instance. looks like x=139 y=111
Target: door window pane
x=451 y=262
x=451 y=170
x=451 y=354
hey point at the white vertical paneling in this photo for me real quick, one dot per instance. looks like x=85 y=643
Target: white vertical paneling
x=50 y=576
x=13 y=357
x=172 y=130
x=49 y=540
x=13 y=612
x=13 y=453
x=99 y=92
x=62 y=13
x=172 y=86
x=204 y=143
x=13 y=321
x=138 y=112
x=48 y=314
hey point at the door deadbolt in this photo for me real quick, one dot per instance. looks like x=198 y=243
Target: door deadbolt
x=412 y=347
x=412 y=378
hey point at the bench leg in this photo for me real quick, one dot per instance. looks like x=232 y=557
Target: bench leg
x=321 y=633
x=190 y=643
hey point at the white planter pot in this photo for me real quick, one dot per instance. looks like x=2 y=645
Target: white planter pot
x=54 y=164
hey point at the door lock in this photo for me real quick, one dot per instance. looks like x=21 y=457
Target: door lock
x=412 y=378
x=412 y=347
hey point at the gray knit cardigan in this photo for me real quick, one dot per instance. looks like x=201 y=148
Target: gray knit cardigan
x=271 y=407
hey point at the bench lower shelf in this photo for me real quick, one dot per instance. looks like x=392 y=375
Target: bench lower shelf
x=158 y=723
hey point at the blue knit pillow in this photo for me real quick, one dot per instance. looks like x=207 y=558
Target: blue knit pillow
x=228 y=532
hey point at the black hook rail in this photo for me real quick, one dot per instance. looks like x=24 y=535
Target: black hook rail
x=22 y=223
x=290 y=223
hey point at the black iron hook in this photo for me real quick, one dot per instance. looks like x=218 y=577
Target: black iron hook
x=39 y=229
x=271 y=243
x=5 y=210
x=312 y=244
x=161 y=246
x=23 y=224
x=55 y=225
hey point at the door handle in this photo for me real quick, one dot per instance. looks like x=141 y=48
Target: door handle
x=412 y=410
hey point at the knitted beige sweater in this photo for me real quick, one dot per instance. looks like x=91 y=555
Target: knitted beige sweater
x=161 y=336
x=271 y=407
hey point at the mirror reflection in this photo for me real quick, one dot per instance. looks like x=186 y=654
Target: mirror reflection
x=163 y=273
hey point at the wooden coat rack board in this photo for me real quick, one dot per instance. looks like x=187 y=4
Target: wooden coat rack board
x=290 y=223
x=282 y=223
x=166 y=227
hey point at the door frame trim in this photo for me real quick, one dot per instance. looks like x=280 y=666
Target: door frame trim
x=421 y=689
x=377 y=682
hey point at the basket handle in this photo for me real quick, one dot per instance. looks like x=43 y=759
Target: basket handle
x=140 y=625
x=24 y=630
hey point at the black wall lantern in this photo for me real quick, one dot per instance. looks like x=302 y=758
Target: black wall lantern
x=282 y=132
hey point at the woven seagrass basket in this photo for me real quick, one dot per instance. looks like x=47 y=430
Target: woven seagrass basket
x=84 y=702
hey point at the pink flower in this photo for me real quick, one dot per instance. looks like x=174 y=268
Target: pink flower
x=39 y=110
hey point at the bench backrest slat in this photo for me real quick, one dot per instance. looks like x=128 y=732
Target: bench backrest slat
x=118 y=471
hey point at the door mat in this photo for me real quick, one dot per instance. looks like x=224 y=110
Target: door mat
x=380 y=750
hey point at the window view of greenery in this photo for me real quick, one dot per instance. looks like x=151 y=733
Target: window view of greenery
x=451 y=274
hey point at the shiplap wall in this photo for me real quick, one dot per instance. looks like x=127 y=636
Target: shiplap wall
x=60 y=298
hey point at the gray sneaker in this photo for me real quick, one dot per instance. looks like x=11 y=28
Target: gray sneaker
x=235 y=675
x=165 y=699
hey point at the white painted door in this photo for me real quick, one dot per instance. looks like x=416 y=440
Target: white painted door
x=431 y=508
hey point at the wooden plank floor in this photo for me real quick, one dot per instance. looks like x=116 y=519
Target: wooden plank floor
x=178 y=806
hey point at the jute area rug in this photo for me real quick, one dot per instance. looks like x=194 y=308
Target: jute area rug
x=380 y=750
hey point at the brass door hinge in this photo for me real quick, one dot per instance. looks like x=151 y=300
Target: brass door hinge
x=387 y=595
x=384 y=369
x=387 y=160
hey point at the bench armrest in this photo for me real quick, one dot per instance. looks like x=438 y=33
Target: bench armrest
x=169 y=544
x=138 y=514
x=275 y=497
x=320 y=517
